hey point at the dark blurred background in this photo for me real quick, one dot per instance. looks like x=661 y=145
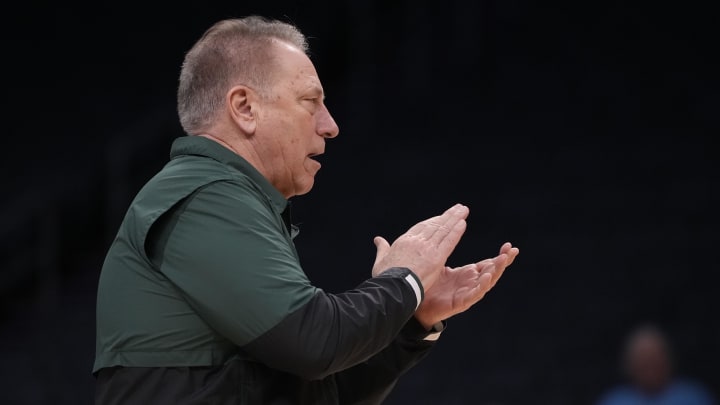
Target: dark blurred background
x=581 y=132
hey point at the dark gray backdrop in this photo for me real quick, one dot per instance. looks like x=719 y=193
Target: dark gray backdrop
x=581 y=133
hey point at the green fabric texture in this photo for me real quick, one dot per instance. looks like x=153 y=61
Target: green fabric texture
x=201 y=265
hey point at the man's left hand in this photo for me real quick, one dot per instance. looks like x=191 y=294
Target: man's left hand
x=457 y=289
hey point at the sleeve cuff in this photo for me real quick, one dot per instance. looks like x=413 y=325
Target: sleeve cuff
x=414 y=331
x=415 y=284
x=410 y=278
x=435 y=331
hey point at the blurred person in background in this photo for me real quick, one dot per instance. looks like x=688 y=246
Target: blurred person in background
x=649 y=369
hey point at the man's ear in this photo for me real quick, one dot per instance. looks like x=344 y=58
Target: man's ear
x=242 y=105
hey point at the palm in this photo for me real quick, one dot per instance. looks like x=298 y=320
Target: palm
x=457 y=289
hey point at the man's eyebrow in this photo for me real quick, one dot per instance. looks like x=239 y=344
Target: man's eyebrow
x=316 y=89
x=319 y=91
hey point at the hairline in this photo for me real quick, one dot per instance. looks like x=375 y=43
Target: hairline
x=246 y=50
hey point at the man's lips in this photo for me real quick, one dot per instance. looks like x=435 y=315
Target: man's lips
x=314 y=156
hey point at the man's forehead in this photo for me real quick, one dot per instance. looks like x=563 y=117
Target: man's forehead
x=292 y=55
x=309 y=80
x=297 y=65
x=306 y=79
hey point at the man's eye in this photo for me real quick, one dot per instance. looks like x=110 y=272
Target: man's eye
x=312 y=103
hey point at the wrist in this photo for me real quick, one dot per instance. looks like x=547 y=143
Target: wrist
x=427 y=323
x=434 y=331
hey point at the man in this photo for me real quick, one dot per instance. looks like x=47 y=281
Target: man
x=649 y=368
x=202 y=298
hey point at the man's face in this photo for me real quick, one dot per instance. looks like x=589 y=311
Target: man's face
x=293 y=122
x=648 y=362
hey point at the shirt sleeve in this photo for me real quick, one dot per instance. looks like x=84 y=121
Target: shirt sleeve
x=371 y=381
x=232 y=260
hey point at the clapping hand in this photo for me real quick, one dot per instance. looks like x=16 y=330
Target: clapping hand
x=457 y=289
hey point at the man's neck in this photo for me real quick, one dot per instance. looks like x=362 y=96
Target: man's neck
x=221 y=142
x=243 y=150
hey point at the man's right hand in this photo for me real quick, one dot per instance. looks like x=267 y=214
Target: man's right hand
x=425 y=247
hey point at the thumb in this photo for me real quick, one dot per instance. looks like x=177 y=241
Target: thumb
x=382 y=247
x=380 y=242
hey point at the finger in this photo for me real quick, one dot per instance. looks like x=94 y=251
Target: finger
x=505 y=247
x=504 y=259
x=508 y=249
x=444 y=223
x=500 y=263
x=484 y=284
x=451 y=238
x=422 y=226
x=500 y=260
x=449 y=223
x=382 y=247
x=482 y=264
x=512 y=255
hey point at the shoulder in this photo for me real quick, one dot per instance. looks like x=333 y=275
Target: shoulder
x=621 y=395
x=184 y=175
x=692 y=391
x=233 y=196
x=201 y=167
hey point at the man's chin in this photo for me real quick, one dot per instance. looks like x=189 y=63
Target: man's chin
x=306 y=186
x=314 y=166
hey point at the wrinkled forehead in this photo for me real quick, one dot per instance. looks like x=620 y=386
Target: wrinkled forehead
x=293 y=66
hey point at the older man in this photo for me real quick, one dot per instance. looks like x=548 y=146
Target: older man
x=202 y=298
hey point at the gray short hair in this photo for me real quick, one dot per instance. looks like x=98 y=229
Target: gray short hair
x=230 y=52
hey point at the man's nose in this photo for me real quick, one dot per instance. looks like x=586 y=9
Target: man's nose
x=326 y=126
